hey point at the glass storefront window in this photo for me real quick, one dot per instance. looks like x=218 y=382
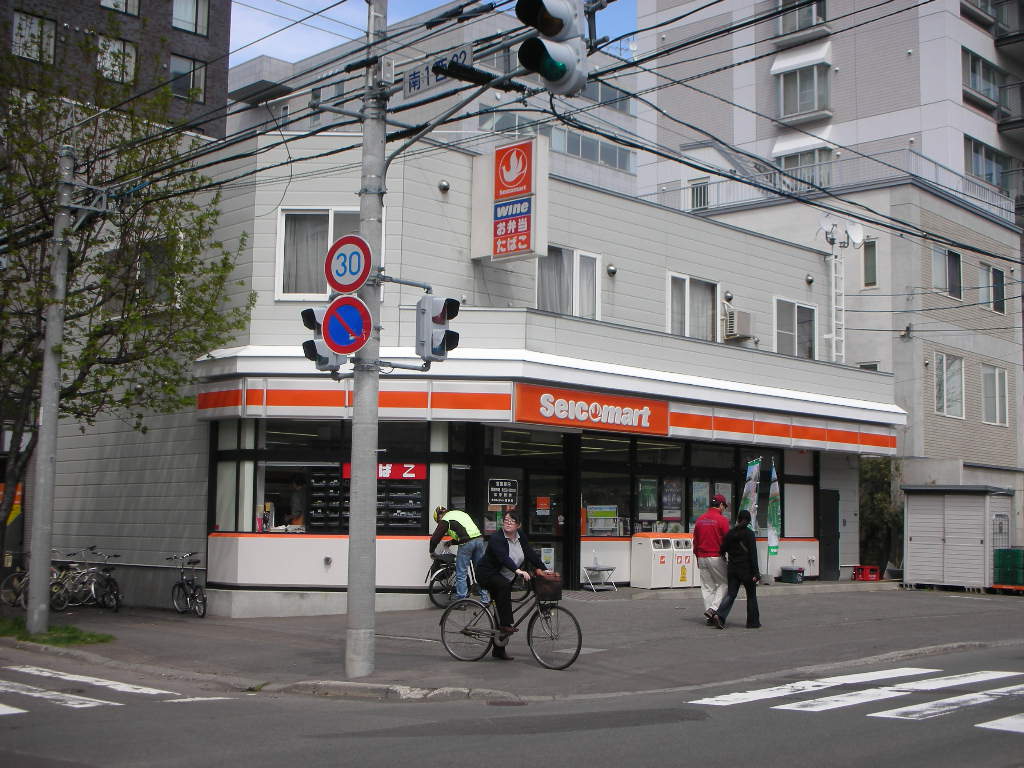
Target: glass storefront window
x=606 y=498
x=324 y=437
x=407 y=442
x=658 y=452
x=712 y=456
x=611 y=448
x=503 y=441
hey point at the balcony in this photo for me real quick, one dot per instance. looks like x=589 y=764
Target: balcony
x=1011 y=112
x=901 y=166
x=1009 y=29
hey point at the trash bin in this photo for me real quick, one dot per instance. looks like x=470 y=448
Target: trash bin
x=684 y=564
x=791 y=574
x=650 y=562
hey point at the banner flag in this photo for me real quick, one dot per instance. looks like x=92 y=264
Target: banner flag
x=774 y=513
x=749 y=500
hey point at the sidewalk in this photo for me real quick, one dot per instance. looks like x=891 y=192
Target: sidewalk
x=633 y=641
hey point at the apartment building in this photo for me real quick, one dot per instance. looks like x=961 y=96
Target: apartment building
x=903 y=120
x=139 y=43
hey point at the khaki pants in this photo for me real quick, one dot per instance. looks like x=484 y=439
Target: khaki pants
x=713 y=581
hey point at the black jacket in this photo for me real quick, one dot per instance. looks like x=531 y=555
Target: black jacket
x=496 y=556
x=739 y=547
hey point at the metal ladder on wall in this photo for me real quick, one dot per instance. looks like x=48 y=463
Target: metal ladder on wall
x=838 y=305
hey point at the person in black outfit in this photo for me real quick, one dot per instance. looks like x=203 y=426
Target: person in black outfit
x=739 y=547
x=508 y=554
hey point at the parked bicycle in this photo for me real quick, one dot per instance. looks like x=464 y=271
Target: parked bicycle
x=12 y=586
x=441 y=578
x=469 y=629
x=79 y=583
x=187 y=594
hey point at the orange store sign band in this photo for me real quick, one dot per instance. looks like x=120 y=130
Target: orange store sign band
x=591 y=410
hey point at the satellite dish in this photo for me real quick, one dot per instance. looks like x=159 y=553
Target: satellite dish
x=827 y=225
x=855 y=232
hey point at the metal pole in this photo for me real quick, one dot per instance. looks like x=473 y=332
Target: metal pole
x=362 y=532
x=49 y=402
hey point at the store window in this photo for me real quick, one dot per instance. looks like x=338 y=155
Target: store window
x=596 y=446
x=606 y=500
x=504 y=441
x=303 y=237
x=664 y=452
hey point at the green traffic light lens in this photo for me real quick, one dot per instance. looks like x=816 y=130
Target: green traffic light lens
x=534 y=55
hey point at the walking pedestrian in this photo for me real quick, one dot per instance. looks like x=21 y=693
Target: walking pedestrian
x=708 y=533
x=739 y=547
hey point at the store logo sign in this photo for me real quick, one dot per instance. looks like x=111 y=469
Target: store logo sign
x=590 y=410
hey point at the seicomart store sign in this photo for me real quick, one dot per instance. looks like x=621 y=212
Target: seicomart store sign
x=589 y=410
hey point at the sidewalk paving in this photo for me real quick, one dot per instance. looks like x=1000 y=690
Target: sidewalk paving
x=633 y=641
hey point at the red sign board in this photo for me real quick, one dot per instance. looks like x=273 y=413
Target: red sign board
x=590 y=410
x=513 y=170
x=392 y=471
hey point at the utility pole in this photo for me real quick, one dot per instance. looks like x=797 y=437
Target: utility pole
x=49 y=403
x=362 y=537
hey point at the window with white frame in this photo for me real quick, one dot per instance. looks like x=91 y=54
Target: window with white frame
x=302 y=240
x=949 y=385
x=813 y=166
x=869 y=257
x=993 y=395
x=116 y=59
x=33 y=37
x=590 y=148
x=806 y=16
x=188 y=78
x=511 y=123
x=699 y=193
x=794 y=329
x=981 y=76
x=567 y=283
x=804 y=90
x=992 y=288
x=990 y=165
x=693 y=307
x=124 y=6
x=190 y=15
x=946 y=274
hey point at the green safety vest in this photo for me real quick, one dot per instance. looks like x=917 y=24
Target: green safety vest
x=460 y=523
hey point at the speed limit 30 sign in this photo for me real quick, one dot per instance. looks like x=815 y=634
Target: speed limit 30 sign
x=348 y=263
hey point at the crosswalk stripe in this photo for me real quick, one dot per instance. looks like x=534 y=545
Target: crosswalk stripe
x=1013 y=723
x=198 y=698
x=63 y=699
x=805 y=686
x=98 y=681
x=888 y=692
x=5 y=710
x=945 y=706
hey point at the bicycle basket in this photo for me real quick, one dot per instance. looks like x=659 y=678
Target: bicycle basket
x=548 y=587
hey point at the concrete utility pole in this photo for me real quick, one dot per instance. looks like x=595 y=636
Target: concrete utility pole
x=362 y=531
x=49 y=403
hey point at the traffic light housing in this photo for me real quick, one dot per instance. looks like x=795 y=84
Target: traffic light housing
x=559 y=54
x=433 y=338
x=316 y=349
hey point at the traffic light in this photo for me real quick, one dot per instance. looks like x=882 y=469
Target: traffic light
x=433 y=339
x=559 y=55
x=316 y=349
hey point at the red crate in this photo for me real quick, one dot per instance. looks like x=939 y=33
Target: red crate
x=866 y=573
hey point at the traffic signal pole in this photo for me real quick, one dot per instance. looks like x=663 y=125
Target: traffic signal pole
x=362 y=531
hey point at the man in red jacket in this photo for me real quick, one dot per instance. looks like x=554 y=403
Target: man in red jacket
x=708 y=532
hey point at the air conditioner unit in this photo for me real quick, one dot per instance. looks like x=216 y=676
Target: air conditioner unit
x=737 y=324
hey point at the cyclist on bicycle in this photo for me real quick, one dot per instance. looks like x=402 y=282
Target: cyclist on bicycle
x=463 y=531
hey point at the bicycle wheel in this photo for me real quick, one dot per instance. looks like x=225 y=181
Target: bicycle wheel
x=179 y=598
x=442 y=588
x=58 y=596
x=110 y=596
x=467 y=630
x=11 y=586
x=520 y=589
x=199 y=601
x=22 y=599
x=554 y=636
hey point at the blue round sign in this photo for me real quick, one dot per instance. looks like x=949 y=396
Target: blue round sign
x=347 y=324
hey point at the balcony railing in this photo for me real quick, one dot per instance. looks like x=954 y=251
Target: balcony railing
x=897 y=166
x=1008 y=16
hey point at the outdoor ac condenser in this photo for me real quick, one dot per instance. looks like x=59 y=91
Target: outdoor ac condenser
x=737 y=324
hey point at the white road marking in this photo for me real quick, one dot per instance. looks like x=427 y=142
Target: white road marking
x=98 y=681
x=901 y=689
x=63 y=699
x=199 y=698
x=1013 y=723
x=5 y=710
x=804 y=686
x=944 y=706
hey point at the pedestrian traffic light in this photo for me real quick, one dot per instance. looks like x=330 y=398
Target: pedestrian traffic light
x=559 y=55
x=316 y=349
x=433 y=338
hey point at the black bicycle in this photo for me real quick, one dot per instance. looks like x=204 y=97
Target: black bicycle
x=187 y=594
x=469 y=629
x=441 y=578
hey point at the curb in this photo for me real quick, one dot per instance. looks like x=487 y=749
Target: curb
x=388 y=692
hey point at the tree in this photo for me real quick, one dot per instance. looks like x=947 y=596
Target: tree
x=147 y=287
x=881 y=512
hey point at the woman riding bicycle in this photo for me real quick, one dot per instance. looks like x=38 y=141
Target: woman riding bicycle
x=507 y=555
